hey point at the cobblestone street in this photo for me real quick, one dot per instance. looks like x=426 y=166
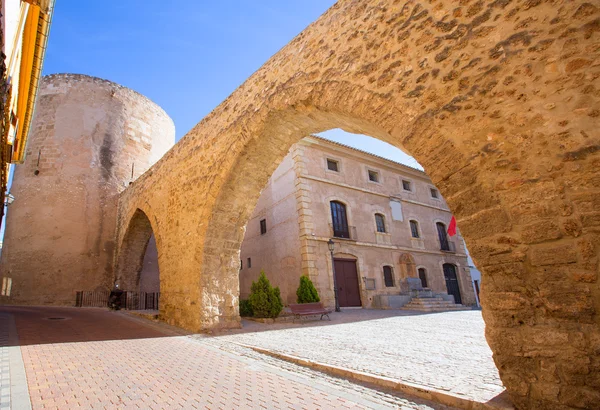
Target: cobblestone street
x=93 y=358
x=444 y=351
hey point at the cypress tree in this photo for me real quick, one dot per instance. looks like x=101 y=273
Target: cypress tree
x=306 y=293
x=264 y=299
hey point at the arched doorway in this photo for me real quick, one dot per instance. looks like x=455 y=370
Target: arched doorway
x=137 y=267
x=452 y=282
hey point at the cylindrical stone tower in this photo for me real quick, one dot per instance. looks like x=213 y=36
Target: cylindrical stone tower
x=89 y=139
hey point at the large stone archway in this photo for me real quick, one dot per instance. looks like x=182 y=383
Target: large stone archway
x=499 y=101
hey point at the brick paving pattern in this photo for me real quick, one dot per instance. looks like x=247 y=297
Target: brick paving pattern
x=443 y=351
x=95 y=359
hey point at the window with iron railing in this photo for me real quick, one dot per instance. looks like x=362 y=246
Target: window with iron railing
x=339 y=220
x=443 y=237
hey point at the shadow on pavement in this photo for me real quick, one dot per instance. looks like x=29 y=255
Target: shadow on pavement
x=47 y=325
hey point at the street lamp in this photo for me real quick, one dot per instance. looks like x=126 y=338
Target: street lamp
x=9 y=199
x=331 y=245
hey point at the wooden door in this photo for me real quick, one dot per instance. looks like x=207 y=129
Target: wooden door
x=347 y=283
x=452 y=282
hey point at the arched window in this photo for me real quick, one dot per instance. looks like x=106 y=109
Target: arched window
x=339 y=220
x=380 y=222
x=423 y=277
x=388 y=277
x=414 y=229
x=441 y=228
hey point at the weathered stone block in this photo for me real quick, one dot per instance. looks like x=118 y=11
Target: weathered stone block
x=553 y=255
x=540 y=231
x=579 y=397
x=485 y=223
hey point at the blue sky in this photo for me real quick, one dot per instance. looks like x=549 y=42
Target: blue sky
x=186 y=56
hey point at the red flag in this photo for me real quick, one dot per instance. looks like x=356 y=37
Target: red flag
x=452 y=226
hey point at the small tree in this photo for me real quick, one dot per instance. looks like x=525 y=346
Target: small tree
x=306 y=293
x=264 y=299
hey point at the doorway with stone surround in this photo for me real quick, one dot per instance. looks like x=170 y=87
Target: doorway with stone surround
x=347 y=282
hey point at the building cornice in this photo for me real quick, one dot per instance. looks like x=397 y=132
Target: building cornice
x=383 y=246
x=376 y=160
x=366 y=191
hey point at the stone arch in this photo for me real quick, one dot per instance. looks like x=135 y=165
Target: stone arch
x=407 y=266
x=132 y=249
x=497 y=101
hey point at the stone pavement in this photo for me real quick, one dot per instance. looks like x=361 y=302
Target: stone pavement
x=95 y=359
x=4 y=363
x=445 y=352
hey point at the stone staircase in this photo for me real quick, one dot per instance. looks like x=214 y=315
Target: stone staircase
x=433 y=304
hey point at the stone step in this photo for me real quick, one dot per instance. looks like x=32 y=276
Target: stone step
x=431 y=302
x=434 y=309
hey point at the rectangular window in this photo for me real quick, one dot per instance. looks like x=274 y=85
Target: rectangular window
x=434 y=193
x=241 y=264
x=373 y=176
x=249 y=263
x=380 y=222
x=406 y=185
x=388 y=276
x=423 y=277
x=263 y=226
x=332 y=165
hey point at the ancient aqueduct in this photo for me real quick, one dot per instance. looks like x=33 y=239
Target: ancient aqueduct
x=498 y=100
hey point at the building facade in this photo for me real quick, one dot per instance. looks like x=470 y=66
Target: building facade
x=388 y=223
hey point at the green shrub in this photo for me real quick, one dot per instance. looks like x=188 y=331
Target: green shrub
x=245 y=308
x=265 y=300
x=306 y=293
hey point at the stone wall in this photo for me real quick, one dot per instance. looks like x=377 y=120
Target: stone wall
x=499 y=101
x=277 y=252
x=87 y=137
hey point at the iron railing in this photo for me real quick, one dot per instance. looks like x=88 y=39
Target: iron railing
x=448 y=246
x=129 y=300
x=349 y=233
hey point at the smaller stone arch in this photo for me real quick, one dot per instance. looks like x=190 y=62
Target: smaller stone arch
x=132 y=250
x=407 y=266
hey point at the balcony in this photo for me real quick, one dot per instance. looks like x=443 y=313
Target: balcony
x=448 y=246
x=349 y=233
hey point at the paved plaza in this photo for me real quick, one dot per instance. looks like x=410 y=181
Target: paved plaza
x=97 y=359
x=444 y=352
